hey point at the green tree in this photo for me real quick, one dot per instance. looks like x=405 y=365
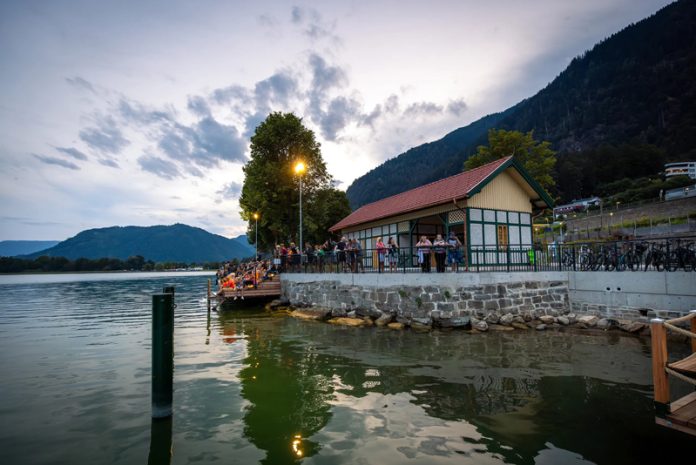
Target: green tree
x=536 y=157
x=325 y=209
x=271 y=186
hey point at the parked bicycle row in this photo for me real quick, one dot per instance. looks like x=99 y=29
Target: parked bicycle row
x=659 y=255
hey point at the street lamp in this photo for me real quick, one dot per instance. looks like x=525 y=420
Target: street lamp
x=256 y=221
x=299 y=170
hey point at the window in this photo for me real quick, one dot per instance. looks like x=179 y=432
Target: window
x=475 y=214
x=501 y=217
x=502 y=236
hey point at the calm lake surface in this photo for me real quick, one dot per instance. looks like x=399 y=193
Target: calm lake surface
x=250 y=388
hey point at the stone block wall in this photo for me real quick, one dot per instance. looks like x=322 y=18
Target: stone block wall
x=433 y=302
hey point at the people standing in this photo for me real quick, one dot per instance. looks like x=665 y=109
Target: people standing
x=454 y=251
x=439 y=247
x=393 y=254
x=357 y=248
x=381 y=254
x=424 y=245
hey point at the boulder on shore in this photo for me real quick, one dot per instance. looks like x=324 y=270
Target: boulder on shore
x=346 y=321
x=384 y=320
x=507 y=319
x=588 y=321
x=564 y=320
x=480 y=325
x=395 y=325
x=455 y=322
x=311 y=314
x=541 y=327
x=547 y=319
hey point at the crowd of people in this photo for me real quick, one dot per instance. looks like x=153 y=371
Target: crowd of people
x=246 y=275
x=347 y=255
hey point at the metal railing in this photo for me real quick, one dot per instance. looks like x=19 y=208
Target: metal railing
x=669 y=254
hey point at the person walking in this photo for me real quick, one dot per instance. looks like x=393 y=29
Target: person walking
x=424 y=245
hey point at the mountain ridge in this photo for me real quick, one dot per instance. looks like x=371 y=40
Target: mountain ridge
x=634 y=87
x=159 y=243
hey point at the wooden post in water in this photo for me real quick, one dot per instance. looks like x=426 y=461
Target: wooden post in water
x=658 y=340
x=209 y=295
x=693 y=330
x=162 y=353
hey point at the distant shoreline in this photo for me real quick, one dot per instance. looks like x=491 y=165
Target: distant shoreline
x=31 y=272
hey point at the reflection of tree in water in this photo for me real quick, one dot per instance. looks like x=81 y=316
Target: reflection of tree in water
x=289 y=386
x=522 y=393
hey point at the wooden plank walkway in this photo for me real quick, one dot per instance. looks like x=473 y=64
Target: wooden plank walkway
x=265 y=290
x=680 y=414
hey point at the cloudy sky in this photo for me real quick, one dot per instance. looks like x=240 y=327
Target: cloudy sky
x=140 y=112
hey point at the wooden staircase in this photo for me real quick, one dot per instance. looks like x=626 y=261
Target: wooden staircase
x=681 y=413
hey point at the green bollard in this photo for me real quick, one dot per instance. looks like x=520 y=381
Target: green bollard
x=162 y=354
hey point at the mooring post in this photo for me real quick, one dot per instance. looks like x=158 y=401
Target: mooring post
x=693 y=330
x=162 y=353
x=208 y=295
x=658 y=340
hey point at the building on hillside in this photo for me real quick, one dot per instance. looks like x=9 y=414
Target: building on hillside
x=684 y=168
x=576 y=206
x=490 y=209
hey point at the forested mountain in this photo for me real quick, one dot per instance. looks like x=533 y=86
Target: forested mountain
x=175 y=243
x=631 y=98
x=14 y=248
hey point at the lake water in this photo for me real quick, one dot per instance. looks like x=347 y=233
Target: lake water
x=250 y=388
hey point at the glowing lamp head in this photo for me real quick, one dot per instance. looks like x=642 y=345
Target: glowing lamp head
x=256 y=216
x=300 y=167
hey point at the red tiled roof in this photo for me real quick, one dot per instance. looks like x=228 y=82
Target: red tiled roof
x=429 y=195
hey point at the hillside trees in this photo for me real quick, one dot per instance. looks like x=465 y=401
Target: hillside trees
x=536 y=157
x=271 y=187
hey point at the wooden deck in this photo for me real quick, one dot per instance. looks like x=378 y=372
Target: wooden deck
x=266 y=290
x=680 y=414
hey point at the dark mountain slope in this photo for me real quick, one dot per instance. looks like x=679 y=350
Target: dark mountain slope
x=633 y=90
x=175 y=243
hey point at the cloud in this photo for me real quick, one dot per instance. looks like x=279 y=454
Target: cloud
x=56 y=161
x=198 y=105
x=108 y=162
x=230 y=191
x=81 y=84
x=163 y=168
x=457 y=107
x=73 y=152
x=134 y=112
x=280 y=87
x=268 y=21
x=341 y=112
x=313 y=25
x=423 y=108
x=107 y=137
x=204 y=144
x=234 y=94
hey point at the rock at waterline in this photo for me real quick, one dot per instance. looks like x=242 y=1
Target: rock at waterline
x=541 y=327
x=345 y=321
x=500 y=328
x=517 y=325
x=384 y=320
x=633 y=327
x=507 y=319
x=456 y=322
x=564 y=320
x=395 y=325
x=547 y=319
x=588 y=320
x=480 y=325
x=314 y=314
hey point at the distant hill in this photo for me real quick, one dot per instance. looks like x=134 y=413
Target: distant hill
x=634 y=92
x=175 y=243
x=14 y=248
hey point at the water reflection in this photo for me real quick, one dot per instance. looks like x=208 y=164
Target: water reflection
x=160 y=442
x=289 y=389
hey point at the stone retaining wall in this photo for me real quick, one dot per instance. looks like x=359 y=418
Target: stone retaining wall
x=435 y=300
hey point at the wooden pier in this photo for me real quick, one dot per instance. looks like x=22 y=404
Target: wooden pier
x=681 y=413
x=265 y=290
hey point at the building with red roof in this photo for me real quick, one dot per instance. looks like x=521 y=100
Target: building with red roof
x=488 y=208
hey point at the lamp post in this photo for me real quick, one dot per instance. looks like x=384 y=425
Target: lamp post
x=299 y=170
x=256 y=242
